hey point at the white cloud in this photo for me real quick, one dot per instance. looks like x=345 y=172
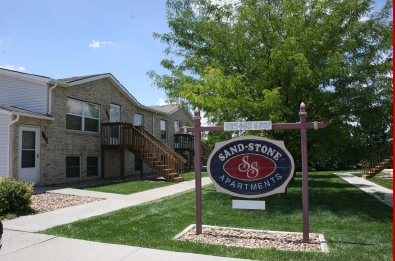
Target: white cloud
x=13 y=67
x=161 y=102
x=1 y=42
x=98 y=44
x=94 y=44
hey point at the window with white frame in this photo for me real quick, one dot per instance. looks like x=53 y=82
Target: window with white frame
x=176 y=126
x=82 y=116
x=92 y=166
x=138 y=120
x=163 y=129
x=73 y=167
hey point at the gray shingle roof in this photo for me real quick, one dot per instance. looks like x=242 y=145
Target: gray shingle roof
x=78 y=78
x=168 y=108
x=19 y=110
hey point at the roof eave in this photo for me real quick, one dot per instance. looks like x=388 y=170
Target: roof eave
x=42 y=117
x=25 y=76
x=113 y=80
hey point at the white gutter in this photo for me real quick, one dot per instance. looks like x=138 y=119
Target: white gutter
x=50 y=98
x=9 y=143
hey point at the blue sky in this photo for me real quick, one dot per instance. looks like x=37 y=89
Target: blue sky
x=61 y=39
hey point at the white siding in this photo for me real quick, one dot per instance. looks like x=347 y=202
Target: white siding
x=23 y=94
x=4 y=150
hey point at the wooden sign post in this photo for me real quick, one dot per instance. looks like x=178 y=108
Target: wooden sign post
x=303 y=125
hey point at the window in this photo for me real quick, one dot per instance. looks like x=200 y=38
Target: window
x=138 y=120
x=138 y=164
x=115 y=113
x=176 y=126
x=72 y=167
x=92 y=166
x=82 y=116
x=163 y=129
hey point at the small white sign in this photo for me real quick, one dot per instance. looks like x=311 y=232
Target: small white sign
x=247 y=125
x=248 y=204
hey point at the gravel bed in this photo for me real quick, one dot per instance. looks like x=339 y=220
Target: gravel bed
x=53 y=201
x=252 y=239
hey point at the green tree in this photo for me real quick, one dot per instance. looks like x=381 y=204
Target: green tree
x=259 y=59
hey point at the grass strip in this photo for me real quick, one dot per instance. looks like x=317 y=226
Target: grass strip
x=130 y=187
x=386 y=183
x=356 y=225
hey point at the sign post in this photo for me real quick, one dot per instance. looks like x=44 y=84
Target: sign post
x=260 y=125
x=198 y=172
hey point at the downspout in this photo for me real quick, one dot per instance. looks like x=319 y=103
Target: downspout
x=9 y=142
x=50 y=98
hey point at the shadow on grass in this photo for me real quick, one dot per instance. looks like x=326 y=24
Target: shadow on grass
x=327 y=192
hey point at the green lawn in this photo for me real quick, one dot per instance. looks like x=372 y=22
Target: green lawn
x=191 y=175
x=130 y=187
x=356 y=226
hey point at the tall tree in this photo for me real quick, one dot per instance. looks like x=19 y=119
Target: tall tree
x=259 y=59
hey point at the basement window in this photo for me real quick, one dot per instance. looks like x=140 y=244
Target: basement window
x=73 y=167
x=92 y=166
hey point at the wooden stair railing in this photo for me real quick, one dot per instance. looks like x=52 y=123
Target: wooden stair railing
x=206 y=151
x=186 y=142
x=154 y=153
x=380 y=160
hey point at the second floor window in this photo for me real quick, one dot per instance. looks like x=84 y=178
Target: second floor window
x=176 y=126
x=163 y=130
x=138 y=120
x=82 y=116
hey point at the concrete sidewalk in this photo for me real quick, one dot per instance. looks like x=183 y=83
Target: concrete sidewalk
x=19 y=243
x=111 y=203
x=379 y=192
x=21 y=246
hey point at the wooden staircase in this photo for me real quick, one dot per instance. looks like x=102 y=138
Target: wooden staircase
x=379 y=161
x=154 y=153
x=186 y=142
x=206 y=151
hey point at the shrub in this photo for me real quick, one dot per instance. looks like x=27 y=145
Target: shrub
x=15 y=196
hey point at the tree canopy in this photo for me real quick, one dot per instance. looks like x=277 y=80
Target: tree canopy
x=249 y=60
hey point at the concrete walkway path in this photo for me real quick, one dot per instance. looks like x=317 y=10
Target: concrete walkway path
x=20 y=243
x=379 y=192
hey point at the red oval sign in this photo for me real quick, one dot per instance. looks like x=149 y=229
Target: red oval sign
x=249 y=166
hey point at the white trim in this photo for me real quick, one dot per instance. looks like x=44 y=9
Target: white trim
x=166 y=129
x=50 y=98
x=25 y=114
x=25 y=76
x=120 y=87
x=2 y=111
x=43 y=117
x=84 y=104
x=36 y=129
x=142 y=119
x=113 y=80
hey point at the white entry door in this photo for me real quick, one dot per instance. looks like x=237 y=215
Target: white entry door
x=29 y=153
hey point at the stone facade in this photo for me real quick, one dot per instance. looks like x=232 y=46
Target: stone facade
x=62 y=143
